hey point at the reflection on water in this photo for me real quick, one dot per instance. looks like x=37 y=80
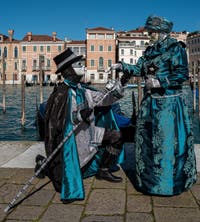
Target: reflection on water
x=10 y=122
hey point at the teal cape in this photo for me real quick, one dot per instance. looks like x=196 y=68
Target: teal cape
x=72 y=175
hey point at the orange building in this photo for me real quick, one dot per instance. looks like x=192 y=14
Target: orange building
x=100 y=53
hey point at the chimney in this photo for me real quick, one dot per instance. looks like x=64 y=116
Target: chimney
x=54 y=36
x=10 y=33
x=29 y=34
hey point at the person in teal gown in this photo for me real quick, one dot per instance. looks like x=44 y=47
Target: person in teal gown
x=164 y=159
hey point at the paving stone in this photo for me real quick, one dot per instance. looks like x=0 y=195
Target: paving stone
x=62 y=213
x=39 y=198
x=45 y=183
x=26 y=213
x=106 y=184
x=2 y=214
x=131 y=189
x=9 y=191
x=165 y=214
x=139 y=217
x=22 y=176
x=6 y=173
x=106 y=202
x=95 y=218
x=138 y=203
x=196 y=191
x=183 y=200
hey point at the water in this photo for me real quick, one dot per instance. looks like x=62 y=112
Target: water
x=10 y=122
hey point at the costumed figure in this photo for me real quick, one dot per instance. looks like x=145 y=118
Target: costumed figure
x=95 y=144
x=165 y=161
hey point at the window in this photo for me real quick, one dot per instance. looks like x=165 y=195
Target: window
x=100 y=36
x=15 y=52
x=23 y=48
x=92 y=76
x=131 y=51
x=109 y=36
x=76 y=50
x=131 y=61
x=101 y=62
x=35 y=48
x=59 y=48
x=5 y=52
x=101 y=48
x=92 y=62
x=101 y=76
x=48 y=48
x=83 y=50
x=142 y=43
x=41 y=48
x=34 y=64
x=109 y=63
x=122 y=51
x=48 y=62
x=16 y=66
x=109 y=48
x=92 y=36
x=0 y=51
x=92 y=48
x=23 y=65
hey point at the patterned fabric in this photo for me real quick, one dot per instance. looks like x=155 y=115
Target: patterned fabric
x=164 y=157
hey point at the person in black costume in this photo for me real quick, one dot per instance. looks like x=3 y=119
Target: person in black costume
x=96 y=142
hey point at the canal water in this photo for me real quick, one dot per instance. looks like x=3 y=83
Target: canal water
x=10 y=122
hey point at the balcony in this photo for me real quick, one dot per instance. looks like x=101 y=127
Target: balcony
x=100 y=68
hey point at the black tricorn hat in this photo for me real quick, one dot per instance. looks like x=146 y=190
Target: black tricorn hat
x=65 y=59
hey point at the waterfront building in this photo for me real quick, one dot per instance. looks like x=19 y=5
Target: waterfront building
x=193 y=44
x=9 y=58
x=180 y=36
x=131 y=45
x=100 y=54
x=37 y=53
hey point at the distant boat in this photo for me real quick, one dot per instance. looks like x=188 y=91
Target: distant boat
x=135 y=85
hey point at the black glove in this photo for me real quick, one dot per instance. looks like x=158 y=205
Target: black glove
x=85 y=114
x=125 y=78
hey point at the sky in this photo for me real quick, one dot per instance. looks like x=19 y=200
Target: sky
x=70 y=19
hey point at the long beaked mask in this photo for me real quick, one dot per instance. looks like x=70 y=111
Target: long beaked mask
x=79 y=68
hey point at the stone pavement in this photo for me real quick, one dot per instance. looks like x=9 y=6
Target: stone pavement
x=104 y=201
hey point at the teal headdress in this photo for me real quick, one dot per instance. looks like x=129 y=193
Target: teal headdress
x=158 y=24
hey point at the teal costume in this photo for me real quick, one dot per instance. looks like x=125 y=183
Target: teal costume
x=65 y=171
x=164 y=154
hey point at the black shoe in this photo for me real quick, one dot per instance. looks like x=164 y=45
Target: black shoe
x=106 y=175
x=39 y=161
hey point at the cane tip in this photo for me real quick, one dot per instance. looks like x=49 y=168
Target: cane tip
x=7 y=209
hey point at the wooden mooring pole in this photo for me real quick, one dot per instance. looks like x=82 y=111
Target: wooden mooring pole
x=23 y=100
x=4 y=84
x=41 y=74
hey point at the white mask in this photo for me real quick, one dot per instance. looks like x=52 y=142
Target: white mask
x=79 y=68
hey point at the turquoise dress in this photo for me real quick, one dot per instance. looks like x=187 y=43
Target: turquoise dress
x=164 y=159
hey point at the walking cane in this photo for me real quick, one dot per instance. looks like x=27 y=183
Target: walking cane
x=46 y=161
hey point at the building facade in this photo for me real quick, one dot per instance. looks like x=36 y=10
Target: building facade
x=9 y=59
x=193 y=45
x=37 y=53
x=100 y=54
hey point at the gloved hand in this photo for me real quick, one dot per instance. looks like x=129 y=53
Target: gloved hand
x=151 y=83
x=85 y=114
x=125 y=78
x=116 y=66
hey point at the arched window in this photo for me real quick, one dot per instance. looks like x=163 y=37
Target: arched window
x=101 y=62
x=5 y=52
x=15 y=52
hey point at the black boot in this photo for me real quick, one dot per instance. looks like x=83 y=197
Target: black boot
x=105 y=174
x=39 y=161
